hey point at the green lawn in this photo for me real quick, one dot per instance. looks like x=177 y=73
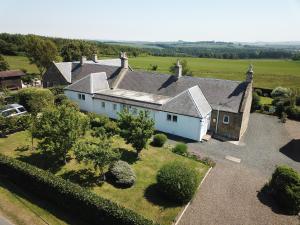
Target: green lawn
x=268 y=73
x=266 y=100
x=142 y=197
x=21 y=62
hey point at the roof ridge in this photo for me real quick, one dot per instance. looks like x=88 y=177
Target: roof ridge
x=194 y=99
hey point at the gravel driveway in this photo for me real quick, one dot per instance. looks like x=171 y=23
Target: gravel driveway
x=230 y=194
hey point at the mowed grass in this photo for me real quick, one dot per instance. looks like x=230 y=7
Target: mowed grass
x=21 y=62
x=142 y=197
x=268 y=73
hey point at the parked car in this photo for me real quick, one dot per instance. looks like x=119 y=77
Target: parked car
x=12 y=110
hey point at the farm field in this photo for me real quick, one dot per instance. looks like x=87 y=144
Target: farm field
x=268 y=73
x=142 y=197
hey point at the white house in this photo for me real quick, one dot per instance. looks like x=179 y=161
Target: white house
x=186 y=114
x=180 y=105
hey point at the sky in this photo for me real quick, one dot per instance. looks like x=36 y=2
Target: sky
x=155 y=20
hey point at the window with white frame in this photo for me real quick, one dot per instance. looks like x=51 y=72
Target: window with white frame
x=103 y=104
x=226 y=119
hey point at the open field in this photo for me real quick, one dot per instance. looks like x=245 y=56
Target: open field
x=21 y=62
x=142 y=197
x=268 y=73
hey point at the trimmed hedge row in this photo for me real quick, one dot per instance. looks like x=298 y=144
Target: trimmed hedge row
x=73 y=198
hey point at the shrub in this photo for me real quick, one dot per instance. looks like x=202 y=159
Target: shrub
x=102 y=125
x=255 y=102
x=35 y=99
x=60 y=99
x=159 y=140
x=122 y=174
x=180 y=149
x=57 y=90
x=285 y=187
x=73 y=198
x=259 y=92
x=297 y=101
x=177 y=181
x=280 y=92
x=294 y=113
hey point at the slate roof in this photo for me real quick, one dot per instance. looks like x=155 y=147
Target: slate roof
x=73 y=71
x=90 y=83
x=226 y=95
x=195 y=96
x=11 y=73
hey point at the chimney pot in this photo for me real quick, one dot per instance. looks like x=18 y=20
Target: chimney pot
x=82 y=60
x=95 y=58
x=178 y=70
x=124 y=60
x=249 y=74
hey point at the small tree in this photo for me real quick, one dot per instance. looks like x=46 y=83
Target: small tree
x=136 y=130
x=3 y=64
x=185 y=68
x=58 y=129
x=99 y=154
x=41 y=52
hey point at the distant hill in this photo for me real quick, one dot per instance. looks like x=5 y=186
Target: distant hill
x=216 y=49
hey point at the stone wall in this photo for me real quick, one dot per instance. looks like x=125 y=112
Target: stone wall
x=230 y=130
x=53 y=77
x=246 y=108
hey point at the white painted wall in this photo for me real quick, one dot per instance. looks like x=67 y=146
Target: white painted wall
x=186 y=126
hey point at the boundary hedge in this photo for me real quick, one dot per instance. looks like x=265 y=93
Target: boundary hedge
x=71 y=197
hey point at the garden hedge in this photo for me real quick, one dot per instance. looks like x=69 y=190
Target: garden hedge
x=71 y=197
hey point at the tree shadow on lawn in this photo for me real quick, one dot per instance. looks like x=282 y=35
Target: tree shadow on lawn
x=21 y=193
x=153 y=195
x=83 y=177
x=265 y=197
x=42 y=160
x=292 y=150
x=128 y=156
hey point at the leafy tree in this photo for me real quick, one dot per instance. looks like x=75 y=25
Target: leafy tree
x=58 y=130
x=3 y=64
x=35 y=99
x=185 y=68
x=41 y=52
x=71 y=52
x=99 y=154
x=136 y=130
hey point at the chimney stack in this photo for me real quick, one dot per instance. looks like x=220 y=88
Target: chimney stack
x=124 y=60
x=82 y=60
x=95 y=58
x=178 y=70
x=249 y=74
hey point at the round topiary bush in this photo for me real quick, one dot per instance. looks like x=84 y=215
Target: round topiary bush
x=180 y=149
x=178 y=181
x=121 y=174
x=159 y=140
x=285 y=187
